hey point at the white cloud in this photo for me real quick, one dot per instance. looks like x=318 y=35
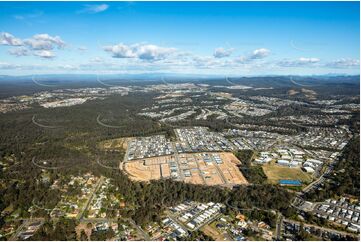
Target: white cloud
x=44 y=42
x=260 y=53
x=222 y=52
x=344 y=63
x=9 y=39
x=19 y=51
x=302 y=61
x=94 y=8
x=308 y=60
x=140 y=51
x=46 y=54
x=241 y=59
x=40 y=45
x=256 y=54
x=120 y=51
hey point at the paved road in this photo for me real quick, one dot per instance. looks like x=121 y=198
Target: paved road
x=105 y=166
x=107 y=125
x=321 y=228
x=99 y=183
x=279 y=226
x=140 y=230
x=42 y=125
x=114 y=220
x=25 y=223
x=169 y=214
x=48 y=167
x=98 y=220
x=176 y=157
x=320 y=180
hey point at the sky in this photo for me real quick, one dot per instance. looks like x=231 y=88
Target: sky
x=206 y=38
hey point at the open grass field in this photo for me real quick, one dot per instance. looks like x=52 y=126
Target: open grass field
x=276 y=172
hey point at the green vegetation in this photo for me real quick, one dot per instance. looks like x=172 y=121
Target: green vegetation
x=198 y=236
x=102 y=235
x=253 y=173
x=268 y=217
x=64 y=230
x=245 y=156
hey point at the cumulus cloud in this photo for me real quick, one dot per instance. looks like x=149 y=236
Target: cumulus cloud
x=9 y=39
x=46 y=54
x=344 y=63
x=94 y=8
x=260 y=53
x=41 y=45
x=256 y=54
x=222 y=52
x=140 y=51
x=44 y=42
x=120 y=51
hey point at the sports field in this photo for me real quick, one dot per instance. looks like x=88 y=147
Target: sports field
x=276 y=172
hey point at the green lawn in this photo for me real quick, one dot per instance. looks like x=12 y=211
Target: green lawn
x=276 y=172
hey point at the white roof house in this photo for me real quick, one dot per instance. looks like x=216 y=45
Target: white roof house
x=283 y=162
x=309 y=169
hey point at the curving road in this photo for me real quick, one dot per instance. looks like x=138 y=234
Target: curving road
x=299 y=84
x=105 y=166
x=47 y=167
x=232 y=83
x=107 y=125
x=40 y=84
x=104 y=84
x=42 y=125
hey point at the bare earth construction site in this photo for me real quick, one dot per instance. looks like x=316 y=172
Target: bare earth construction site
x=191 y=161
x=195 y=168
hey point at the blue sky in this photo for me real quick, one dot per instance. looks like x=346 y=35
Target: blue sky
x=222 y=38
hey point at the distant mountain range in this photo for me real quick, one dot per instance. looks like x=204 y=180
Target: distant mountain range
x=156 y=76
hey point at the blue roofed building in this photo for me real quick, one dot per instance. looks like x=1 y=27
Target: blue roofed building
x=290 y=182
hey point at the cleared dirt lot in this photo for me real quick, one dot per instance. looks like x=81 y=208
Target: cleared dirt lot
x=148 y=169
x=114 y=144
x=196 y=168
x=215 y=233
